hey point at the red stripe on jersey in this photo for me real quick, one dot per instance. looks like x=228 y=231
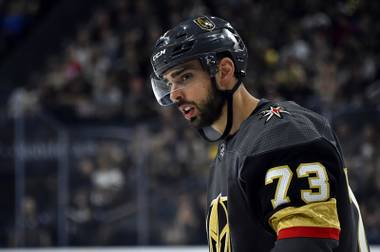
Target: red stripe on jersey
x=310 y=232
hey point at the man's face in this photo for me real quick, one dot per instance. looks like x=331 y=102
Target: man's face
x=196 y=96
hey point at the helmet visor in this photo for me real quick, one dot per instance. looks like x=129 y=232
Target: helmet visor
x=161 y=90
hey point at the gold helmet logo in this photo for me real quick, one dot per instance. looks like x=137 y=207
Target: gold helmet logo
x=204 y=23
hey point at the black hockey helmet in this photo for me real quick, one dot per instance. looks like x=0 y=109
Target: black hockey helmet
x=203 y=38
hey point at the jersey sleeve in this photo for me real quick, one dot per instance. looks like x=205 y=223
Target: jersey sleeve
x=293 y=190
x=305 y=244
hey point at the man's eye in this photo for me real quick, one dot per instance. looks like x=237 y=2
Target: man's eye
x=186 y=77
x=169 y=84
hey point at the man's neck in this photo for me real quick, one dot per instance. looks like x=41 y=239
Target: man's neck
x=243 y=106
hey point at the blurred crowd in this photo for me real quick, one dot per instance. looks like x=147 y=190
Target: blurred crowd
x=320 y=54
x=16 y=19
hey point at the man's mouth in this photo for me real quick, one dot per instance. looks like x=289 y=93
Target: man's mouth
x=188 y=111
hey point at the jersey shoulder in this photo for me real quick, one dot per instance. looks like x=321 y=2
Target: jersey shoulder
x=281 y=125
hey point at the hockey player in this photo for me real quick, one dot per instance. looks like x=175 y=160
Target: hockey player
x=279 y=182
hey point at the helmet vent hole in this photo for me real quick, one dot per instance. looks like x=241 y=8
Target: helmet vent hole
x=180 y=35
x=159 y=43
x=178 y=50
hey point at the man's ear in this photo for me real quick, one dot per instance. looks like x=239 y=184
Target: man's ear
x=226 y=74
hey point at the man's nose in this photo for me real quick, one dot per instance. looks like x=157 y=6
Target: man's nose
x=176 y=95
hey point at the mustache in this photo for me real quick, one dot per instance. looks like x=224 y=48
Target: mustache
x=182 y=102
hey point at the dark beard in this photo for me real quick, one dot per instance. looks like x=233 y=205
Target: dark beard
x=211 y=109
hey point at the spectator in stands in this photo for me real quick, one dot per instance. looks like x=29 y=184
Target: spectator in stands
x=35 y=234
x=108 y=181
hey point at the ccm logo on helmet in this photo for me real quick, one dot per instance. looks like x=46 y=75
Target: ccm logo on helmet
x=159 y=54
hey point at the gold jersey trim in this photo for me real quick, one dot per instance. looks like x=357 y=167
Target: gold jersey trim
x=318 y=214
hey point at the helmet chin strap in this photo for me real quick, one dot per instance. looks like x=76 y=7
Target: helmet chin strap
x=228 y=96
